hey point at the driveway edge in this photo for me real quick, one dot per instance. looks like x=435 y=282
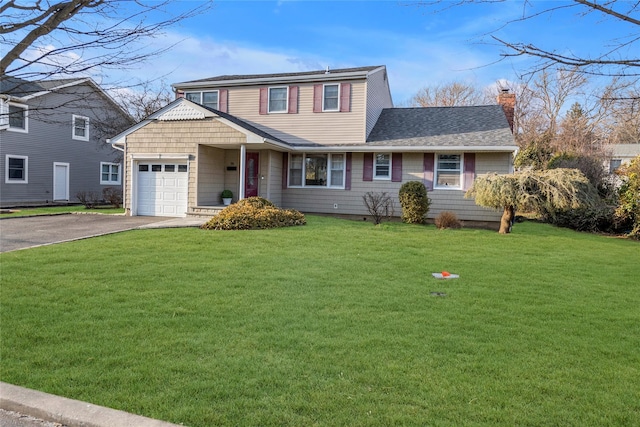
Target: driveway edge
x=70 y=412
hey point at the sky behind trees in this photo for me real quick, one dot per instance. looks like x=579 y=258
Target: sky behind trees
x=419 y=45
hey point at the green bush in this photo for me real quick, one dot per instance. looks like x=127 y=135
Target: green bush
x=628 y=211
x=447 y=219
x=254 y=213
x=591 y=219
x=415 y=203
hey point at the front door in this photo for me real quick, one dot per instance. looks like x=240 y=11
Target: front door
x=60 y=181
x=252 y=176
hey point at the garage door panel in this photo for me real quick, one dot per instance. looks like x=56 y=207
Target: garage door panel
x=162 y=189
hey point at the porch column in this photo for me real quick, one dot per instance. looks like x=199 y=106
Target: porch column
x=243 y=167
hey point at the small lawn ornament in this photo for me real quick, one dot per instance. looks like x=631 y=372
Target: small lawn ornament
x=445 y=275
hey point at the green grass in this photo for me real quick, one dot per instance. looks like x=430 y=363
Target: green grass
x=332 y=324
x=53 y=210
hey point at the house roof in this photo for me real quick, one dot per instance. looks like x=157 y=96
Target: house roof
x=17 y=87
x=25 y=90
x=624 y=151
x=475 y=126
x=327 y=74
x=188 y=110
x=247 y=126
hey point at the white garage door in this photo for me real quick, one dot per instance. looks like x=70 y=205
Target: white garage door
x=162 y=189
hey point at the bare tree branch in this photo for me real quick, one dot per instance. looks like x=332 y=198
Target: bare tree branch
x=82 y=35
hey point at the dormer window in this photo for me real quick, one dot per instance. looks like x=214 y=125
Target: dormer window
x=278 y=99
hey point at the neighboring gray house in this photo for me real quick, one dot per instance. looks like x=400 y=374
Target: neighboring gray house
x=621 y=154
x=314 y=141
x=52 y=140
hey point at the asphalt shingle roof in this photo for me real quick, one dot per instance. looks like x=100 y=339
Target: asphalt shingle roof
x=245 y=125
x=292 y=75
x=18 y=87
x=442 y=126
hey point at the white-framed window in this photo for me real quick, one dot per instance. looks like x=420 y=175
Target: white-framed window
x=317 y=170
x=109 y=173
x=448 y=171
x=382 y=166
x=80 y=128
x=278 y=99
x=208 y=98
x=331 y=97
x=18 y=117
x=16 y=169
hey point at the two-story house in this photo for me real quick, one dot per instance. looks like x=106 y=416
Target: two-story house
x=52 y=140
x=313 y=141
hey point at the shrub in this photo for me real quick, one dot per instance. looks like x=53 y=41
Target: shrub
x=226 y=194
x=415 y=203
x=628 y=210
x=447 y=220
x=589 y=218
x=254 y=213
x=88 y=198
x=112 y=196
x=379 y=205
x=590 y=165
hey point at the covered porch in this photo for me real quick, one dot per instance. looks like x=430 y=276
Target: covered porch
x=247 y=170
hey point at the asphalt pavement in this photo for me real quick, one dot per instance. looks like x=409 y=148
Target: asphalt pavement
x=28 y=232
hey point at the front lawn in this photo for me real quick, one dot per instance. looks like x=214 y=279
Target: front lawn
x=336 y=323
x=55 y=210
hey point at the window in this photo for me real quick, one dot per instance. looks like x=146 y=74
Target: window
x=194 y=97
x=18 y=120
x=318 y=170
x=208 y=99
x=278 y=99
x=330 y=98
x=315 y=170
x=16 y=169
x=449 y=171
x=382 y=166
x=614 y=164
x=80 y=128
x=109 y=173
x=295 y=170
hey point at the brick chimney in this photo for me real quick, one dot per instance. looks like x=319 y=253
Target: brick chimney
x=508 y=102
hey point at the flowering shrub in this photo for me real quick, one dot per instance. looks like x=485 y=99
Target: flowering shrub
x=254 y=213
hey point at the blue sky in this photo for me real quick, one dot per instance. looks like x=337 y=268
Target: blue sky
x=418 y=46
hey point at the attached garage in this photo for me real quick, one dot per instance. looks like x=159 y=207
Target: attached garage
x=162 y=188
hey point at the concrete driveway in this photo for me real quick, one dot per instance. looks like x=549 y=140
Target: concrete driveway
x=27 y=232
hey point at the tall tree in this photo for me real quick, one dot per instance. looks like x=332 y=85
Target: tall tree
x=620 y=56
x=65 y=38
x=453 y=94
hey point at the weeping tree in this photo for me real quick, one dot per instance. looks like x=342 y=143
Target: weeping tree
x=543 y=192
